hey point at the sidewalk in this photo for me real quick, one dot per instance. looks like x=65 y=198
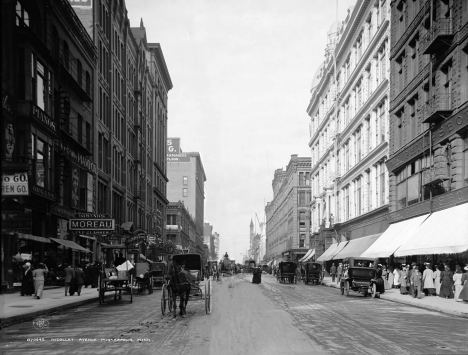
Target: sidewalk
x=433 y=303
x=15 y=308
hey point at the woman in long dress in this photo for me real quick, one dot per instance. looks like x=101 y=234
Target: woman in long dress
x=390 y=278
x=385 y=277
x=403 y=280
x=446 y=283
x=428 y=281
x=464 y=292
x=457 y=283
x=27 y=284
x=437 y=280
x=396 y=277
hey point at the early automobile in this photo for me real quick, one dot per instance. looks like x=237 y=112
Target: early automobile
x=357 y=274
x=313 y=273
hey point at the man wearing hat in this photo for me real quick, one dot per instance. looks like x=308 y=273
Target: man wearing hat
x=333 y=272
x=415 y=280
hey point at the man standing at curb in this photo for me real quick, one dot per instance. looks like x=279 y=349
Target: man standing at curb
x=333 y=272
x=416 y=281
x=339 y=271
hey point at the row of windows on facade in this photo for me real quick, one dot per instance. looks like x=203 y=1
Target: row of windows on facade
x=369 y=191
x=410 y=179
x=375 y=72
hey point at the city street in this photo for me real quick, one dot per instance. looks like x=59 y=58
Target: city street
x=270 y=318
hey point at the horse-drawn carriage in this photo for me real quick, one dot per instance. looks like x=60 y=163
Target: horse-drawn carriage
x=158 y=272
x=226 y=266
x=143 y=279
x=250 y=266
x=287 y=272
x=313 y=273
x=184 y=277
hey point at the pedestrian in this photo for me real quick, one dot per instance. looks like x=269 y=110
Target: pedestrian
x=339 y=271
x=378 y=280
x=396 y=277
x=410 y=270
x=79 y=279
x=39 y=278
x=385 y=277
x=464 y=292
x=390 y=276
x=298 y=274
x=446 y=282
x=428 y=281
x=437 y=279
x=333 y=272
x=416 y=281
x=69 y=278
x=88 y=271
x=27 y=283
x=457 y=283
x=404 y=280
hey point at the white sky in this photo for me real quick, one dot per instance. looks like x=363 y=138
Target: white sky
x=241 y=71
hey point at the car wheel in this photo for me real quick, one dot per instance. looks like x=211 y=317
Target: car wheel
x=374 y=290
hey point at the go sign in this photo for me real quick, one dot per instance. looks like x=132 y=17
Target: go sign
x=15 y=184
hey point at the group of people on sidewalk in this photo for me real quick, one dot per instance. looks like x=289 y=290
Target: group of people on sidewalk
x=33 y=279
x=418 y=280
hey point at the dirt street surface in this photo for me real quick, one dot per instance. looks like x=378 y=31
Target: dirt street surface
x=270 y=318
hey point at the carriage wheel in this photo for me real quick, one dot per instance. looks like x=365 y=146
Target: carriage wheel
x=346 y=289
x=170 y=301
x=163 y=299
x=374 y=290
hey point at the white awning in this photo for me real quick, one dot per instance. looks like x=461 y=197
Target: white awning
x=339 y=248
x=326 y=255
x=356 y=247
x=394 y=237
x=444 y=232
x=309 y=256
x=305 y=256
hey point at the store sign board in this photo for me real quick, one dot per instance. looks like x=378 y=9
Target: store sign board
x=174 y=153
x=38 y=190
x=104 y=224
x=44 y=118
x=15 y=184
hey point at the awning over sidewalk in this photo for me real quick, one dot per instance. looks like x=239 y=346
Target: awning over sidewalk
x=443 y=232
x=394 y=237
x=309 y=256
x=33 y=237
x=327 y=255
x=305 y=256
x=339 y=248
x=70 y=244
x=356 y=247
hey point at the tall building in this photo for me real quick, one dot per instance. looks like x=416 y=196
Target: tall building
x=207 y=233
x=187 y=184
x=132 y=84
x=180 y=227
x=288 y=214
x=48 y=120
x=349 y=128
x=428 y=163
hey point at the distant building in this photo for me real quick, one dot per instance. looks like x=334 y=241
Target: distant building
x=180 y=227
x=288 y=214
x=187 y=184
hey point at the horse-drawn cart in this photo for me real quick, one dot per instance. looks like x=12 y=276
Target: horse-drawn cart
x=313 y=273
x=287 y=272
x=158 y=272
x=184 y=284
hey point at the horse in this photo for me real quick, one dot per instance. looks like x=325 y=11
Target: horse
x=179 y=285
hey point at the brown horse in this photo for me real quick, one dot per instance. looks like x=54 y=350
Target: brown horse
x=179 y=285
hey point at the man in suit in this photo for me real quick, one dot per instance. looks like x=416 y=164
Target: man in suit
x=333 y=272
x=80 y=279
x=69 y=276
x=415 y=280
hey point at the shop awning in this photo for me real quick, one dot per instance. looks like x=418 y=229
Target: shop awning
x=70 y=244
x=305 y=256
x=127 y=226
x=339 y=248
x=356 y=247
x=309 y=256
x=443 y=232
x=326 y=255
x=33 y=237
x=393 y=238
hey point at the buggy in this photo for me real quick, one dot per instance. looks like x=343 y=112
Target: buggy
x=313 y=273
x=287 y=272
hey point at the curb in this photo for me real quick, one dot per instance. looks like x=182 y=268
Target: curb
x=6 y=322
x=422 y=306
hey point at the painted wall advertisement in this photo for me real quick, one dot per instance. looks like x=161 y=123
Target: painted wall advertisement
x=174 y=153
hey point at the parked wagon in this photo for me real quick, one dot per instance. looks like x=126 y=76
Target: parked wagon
x=313 y=273
x=357 y=275
x=287 y=272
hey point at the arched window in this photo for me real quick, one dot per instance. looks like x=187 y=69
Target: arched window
x=66 y=55
x=22 y=16
x=79 y=70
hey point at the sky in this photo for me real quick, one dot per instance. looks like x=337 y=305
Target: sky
x=241 y=73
